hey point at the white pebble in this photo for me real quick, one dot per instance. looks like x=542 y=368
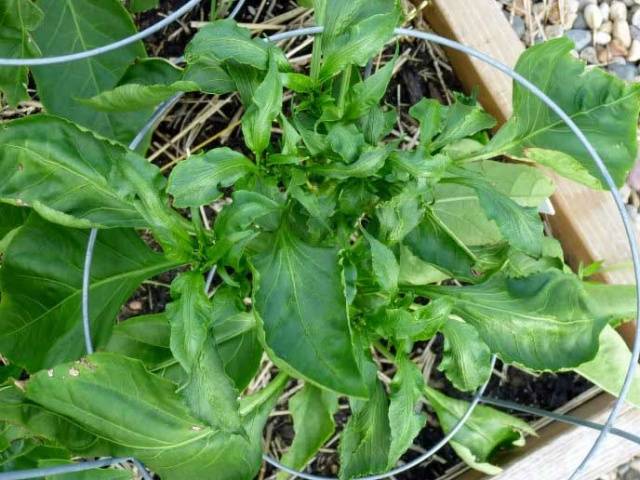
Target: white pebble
x=593 y=16
x=634 y=51
x=622 y=32
x=605 y=9
x=607 y=27
x=618 y=11
x=635 y=17
x=553 y=31
x=602 y=38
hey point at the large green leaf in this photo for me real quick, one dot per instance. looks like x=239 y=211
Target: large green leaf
x=11 y=218
x=459 y=206
x=19 y=18
x=72 y=177
x=603 y=106
x=49 y=427
x=545 y=322
x=301 y=302
x=196 y=180
x=147 y=338
x=152 y=425
x=432 y=243
x=365 y=441
x=485 y=432
x=78 y=25
x=312 y=409
x=68 y=174
x=520 y=226
x=405 y=418
x=209 y=392
x=609 y=367
x=41 y=279
x=466 y=359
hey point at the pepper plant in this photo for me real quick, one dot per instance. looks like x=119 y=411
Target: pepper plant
x=339 y=244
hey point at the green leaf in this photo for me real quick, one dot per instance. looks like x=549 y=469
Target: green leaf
x=547 y=321
x=222 y=41
x=458 y=207
x=49 y=427
x=137 y=6
x=428 y=113
x=385 y=265
x=369 y=92
x=414 y=271
x=565 y=165
x=399 y=216
x=11 y=218
x=298 y=294
x=485 y=432
x=432 y=243
x=41 y=279
x=73 y=27
x=312 y=409
x=196 y=180
x=266 y=105
x=365 y=441
x=69 y=175
x=603 y=106
x=520 y=226
x=145 y=337
x=153 y=425
x=405 y=418
x=209 y=392
x=466 y=359
x=236 y=333
x=19 y=18
x=609 y=367
x=462 y=121
x=354 y=32
x=132 y=96
x=369 y=162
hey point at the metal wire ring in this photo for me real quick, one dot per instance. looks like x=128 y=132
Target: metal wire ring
x=425 y=36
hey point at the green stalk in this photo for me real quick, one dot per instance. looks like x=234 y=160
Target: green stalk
x=345 y=81
x=316 y=58
x=250 y=403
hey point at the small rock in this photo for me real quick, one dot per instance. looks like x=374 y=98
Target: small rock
x=617 y=49
x=618 y=11
x=605 y=9
x=625 y=193
x=617 y=60
x=589 y=55
x=519 y=26
x=634 y=51
x=635 y=17
x=607 y=27
x=580 y=23
x=602 y=38
x=581 y=38
x=135 y=305
x=554 y=31
x=625 y=71
x=603 y=55
x=622 y=32
x=635 y=33
x=593 y=16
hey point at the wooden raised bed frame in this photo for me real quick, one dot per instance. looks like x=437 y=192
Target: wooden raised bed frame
x=586 y=223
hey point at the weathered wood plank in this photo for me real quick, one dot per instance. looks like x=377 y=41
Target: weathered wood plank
x=585 y=222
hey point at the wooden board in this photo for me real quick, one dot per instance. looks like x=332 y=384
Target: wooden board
x=586 y=223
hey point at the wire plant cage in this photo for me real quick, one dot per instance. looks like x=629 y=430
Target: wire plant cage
x=604 y=429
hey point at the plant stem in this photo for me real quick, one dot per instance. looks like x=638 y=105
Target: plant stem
x=248 y=404
x=345 y=81
x=384 y=351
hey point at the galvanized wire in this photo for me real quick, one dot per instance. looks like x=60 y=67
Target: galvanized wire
x=604 y=429
x=75 y=467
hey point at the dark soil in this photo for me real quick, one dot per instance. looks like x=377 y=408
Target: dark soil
x=423 y=74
